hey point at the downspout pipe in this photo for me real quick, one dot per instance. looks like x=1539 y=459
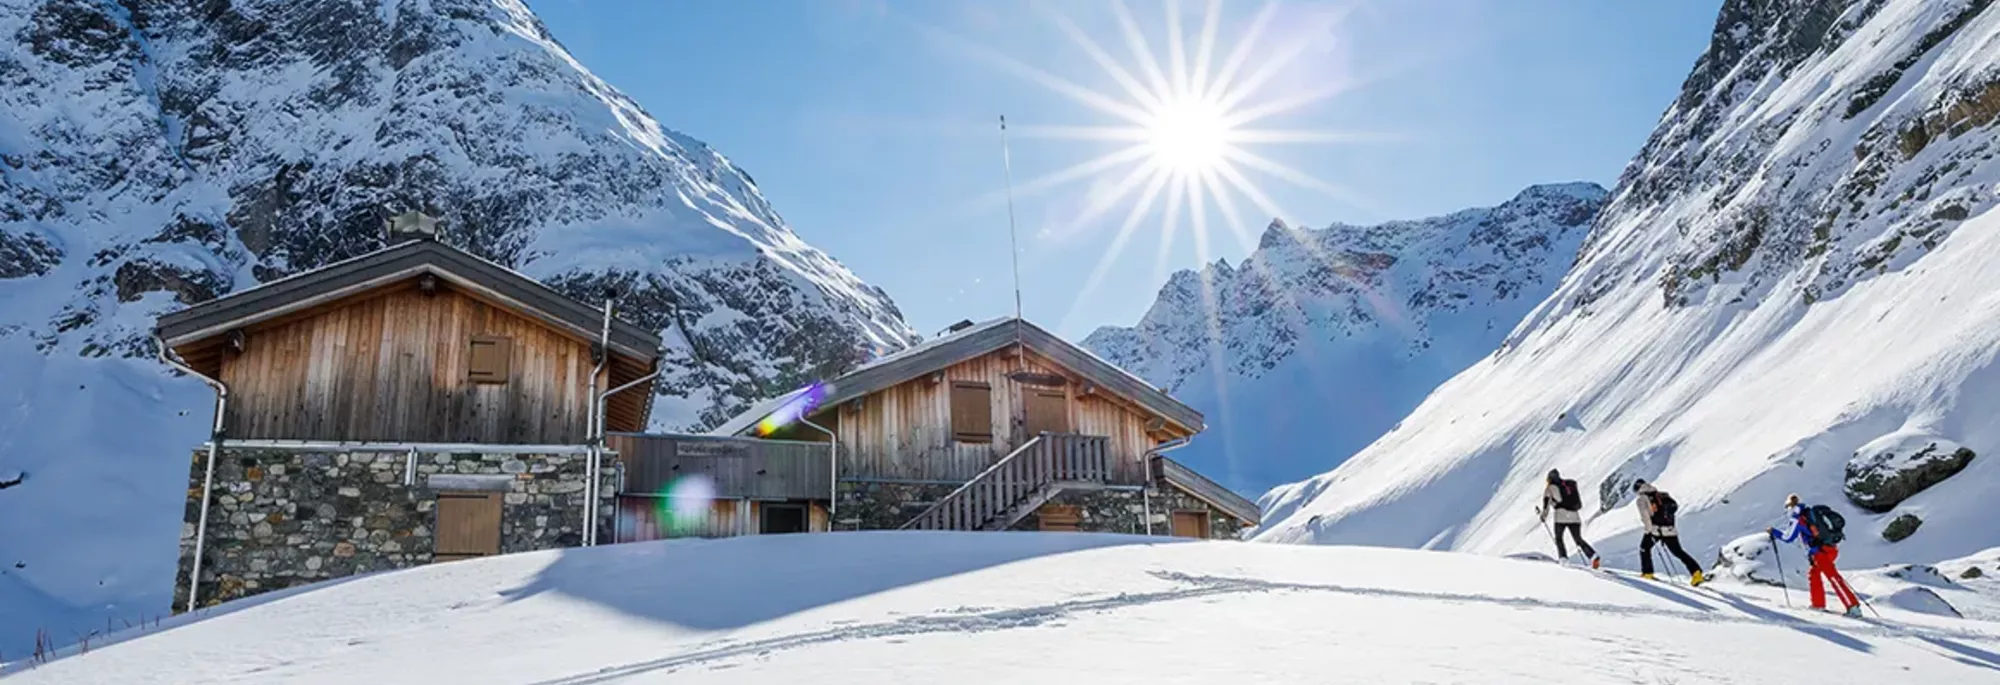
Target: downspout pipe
x=833 y=471
x=1147 y=458
x=590 y=420
x=208 y=477
x=597 y=449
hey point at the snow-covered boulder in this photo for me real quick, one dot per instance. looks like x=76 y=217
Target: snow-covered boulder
x=1891 y=468
x=1750 y=559
x=1921 y=600
x=1978 y=565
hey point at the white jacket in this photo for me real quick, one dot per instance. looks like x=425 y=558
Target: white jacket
x=1645 y=505
x=1551 y=496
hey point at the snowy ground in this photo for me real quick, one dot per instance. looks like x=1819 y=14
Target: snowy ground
x=1026 y=607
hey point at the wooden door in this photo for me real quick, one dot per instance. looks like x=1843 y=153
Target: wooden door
x=1047 y=411
x=783 y=518
x=1191 y=524
x=468 y=525
x=1059 y=517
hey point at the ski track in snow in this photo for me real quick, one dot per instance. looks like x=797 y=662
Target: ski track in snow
x=1746 y=612
x=964 y=607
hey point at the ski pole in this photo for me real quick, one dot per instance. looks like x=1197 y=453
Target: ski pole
x=1552 y=534
x=1784 y=585
x=1864 y=600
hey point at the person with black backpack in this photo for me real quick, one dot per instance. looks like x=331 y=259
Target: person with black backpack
x=1561 y=499
x=1819 y=527
x=1656 y=512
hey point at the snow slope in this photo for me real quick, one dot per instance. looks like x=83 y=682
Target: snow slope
x=1323 y=338
x=155 y=154
x=1799 y=264
x=1024 y=607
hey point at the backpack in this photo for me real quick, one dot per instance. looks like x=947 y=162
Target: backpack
x=1824 y=526
x=1570 y=500
x=1664 y=508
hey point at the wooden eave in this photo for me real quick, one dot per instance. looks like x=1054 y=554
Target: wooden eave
x=932 y=356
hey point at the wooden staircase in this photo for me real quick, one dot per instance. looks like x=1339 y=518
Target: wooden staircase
x=1020 y=483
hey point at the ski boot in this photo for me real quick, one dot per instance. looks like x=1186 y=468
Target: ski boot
x=1646 y=576
x=1697 y=579
x=1596 y=563
x=1853 y=612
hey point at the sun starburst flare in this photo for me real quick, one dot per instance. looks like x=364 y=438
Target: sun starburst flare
x=1185 y=129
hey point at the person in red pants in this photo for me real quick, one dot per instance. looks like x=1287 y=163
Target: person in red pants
x=1822 y=549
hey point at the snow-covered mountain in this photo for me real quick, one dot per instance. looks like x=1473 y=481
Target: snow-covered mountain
x=1793 y=289
x=155 y=154
x=862 y=608
x=1323 y=338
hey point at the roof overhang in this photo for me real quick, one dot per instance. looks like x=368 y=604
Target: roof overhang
x=335 y=282
x=974 y=342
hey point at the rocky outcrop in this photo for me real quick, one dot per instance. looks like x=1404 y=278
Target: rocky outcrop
x=1889 y=470
x=229 y=144
x=26 y=254
x=1304 y=286
x=1902 y=528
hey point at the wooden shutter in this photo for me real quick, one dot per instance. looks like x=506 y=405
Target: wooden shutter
x=971 y=412
x=1191 y=524
x=491 y=358
x=1047 y=411
x=468 y=525
x=1059 y=517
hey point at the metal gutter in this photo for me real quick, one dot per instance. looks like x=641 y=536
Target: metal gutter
x=208 y=477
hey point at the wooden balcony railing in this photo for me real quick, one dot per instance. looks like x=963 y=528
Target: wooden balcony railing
x=1014 y=486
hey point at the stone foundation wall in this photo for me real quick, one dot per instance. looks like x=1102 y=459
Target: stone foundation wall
x=280 y=518
x=1125 y=511
x=884 y=506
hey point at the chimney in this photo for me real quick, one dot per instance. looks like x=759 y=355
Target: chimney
x=408 y=226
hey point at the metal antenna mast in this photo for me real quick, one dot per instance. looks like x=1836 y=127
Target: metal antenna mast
x=1013 y=244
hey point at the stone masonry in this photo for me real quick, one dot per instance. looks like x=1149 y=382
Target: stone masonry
x=883 y=506
x=281 y=518
x=1124 y=511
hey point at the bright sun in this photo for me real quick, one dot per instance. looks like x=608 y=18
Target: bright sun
x=1186 y=122
x=1188 y=136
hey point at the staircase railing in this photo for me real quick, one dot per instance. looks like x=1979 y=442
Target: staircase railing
x=1046 y=460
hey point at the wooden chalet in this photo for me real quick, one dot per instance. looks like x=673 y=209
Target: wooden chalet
x=419 y=342
x=993 y=426
x=411 y=405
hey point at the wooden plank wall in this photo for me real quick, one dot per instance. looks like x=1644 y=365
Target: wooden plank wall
x=646 y=518
x=904 y=432
x=393 y=368
x=737 y=467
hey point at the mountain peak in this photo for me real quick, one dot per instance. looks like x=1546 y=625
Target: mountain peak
x=1577 y=190
x=1426 y=295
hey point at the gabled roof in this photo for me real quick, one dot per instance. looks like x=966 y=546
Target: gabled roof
x=938 y=353
x=395 y=264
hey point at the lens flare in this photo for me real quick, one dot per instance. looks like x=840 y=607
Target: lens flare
x=798 y=407
x=685 y=504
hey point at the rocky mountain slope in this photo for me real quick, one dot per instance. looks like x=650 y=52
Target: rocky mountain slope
x=1323 y=338
x=1791 y=290
x=155 y=154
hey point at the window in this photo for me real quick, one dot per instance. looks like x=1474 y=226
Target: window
x=491 y=357
x=783 y=518
x=468 y=525
x=971 y=412
x=1047 y=411
x=1191 y=524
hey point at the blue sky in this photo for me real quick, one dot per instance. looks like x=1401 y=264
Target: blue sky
x=871 y=124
